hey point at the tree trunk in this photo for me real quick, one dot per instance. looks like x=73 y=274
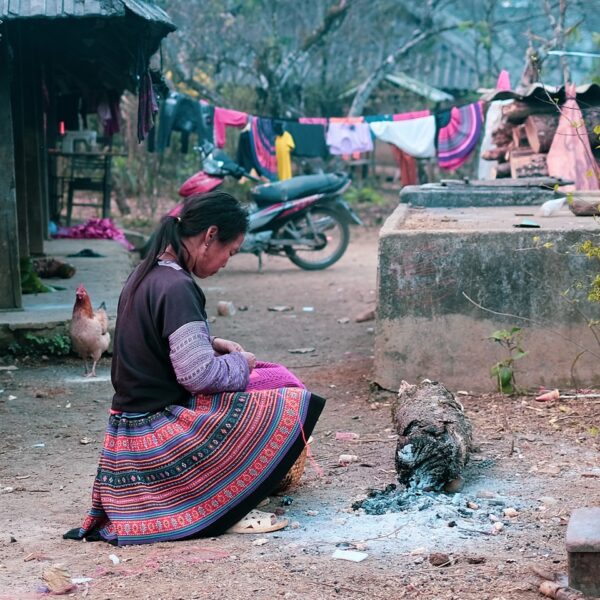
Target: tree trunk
x=434 y=435
x=540 y=130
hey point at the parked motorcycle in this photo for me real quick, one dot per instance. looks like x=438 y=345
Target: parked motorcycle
x=304 y=218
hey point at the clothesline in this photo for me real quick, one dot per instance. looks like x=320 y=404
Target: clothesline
x=266 y=142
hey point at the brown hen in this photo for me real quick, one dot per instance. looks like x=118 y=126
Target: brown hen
x=89 y=330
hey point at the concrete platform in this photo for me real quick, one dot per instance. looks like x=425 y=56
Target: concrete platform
x=49 y=314
x=460 y=194
x=583 y=548
x=432 y=259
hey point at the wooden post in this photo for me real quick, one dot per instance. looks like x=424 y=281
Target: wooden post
x=32 y=135
x=10 y=278
x=18 y=141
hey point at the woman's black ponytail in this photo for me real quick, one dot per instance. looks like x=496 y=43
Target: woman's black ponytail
x=198 y=214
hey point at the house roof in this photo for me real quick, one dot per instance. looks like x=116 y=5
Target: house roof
x=59 y=9
x=91 y=45
x=420 y=88
x=588 y=93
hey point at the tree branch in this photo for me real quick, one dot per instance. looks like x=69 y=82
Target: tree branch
x=333 y=18
x=365 y=89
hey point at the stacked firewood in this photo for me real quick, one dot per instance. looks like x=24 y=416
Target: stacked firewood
x=523 y=139
x=525 y=135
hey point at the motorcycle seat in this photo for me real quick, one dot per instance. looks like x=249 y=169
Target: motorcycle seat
x=298 y=187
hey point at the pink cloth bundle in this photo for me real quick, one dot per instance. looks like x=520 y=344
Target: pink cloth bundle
x=103 y=229
x=269 y=376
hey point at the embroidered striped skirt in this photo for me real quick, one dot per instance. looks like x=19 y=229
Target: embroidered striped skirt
x=195 y=470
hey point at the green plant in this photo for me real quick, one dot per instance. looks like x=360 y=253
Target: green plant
x=504 y=371
x=33 y=345
x=364 y=194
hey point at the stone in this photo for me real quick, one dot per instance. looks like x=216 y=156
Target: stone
x=225 y=309
x=583 y=549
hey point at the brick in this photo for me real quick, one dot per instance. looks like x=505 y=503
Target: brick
x=583 y=548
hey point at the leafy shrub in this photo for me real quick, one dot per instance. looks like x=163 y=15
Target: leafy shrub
x=33 y=345
x=363 y=195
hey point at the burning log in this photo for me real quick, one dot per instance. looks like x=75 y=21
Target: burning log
x=434 y=435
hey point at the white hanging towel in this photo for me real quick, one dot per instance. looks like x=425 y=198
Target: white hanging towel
x=413 y=136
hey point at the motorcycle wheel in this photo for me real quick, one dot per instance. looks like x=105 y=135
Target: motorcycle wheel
x=328 y=237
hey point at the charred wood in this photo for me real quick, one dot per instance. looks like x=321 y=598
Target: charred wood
x=434 y=435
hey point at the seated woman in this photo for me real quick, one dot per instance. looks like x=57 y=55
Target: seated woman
x=199 y=432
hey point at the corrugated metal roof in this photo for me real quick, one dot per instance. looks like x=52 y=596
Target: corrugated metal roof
x=589 y=92
x=52 y=9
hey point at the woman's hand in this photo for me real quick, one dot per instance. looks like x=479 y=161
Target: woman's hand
x=221 y=346
x=251 y=359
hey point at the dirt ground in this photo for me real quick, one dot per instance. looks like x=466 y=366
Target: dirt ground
x=540 y=459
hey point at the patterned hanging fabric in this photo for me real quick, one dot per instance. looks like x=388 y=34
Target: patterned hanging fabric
x=263 y=147
x=459 y=137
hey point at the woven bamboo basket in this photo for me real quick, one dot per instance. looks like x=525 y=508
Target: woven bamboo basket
x=297 y=469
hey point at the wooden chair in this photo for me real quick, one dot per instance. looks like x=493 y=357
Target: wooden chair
x=89 y=172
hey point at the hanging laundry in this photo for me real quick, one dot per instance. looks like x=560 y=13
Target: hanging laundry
x=147 y=106
x=411 y=115
x=109 y=113
x=284 y=144
x=313 y=121
x=375 y=118
x=207 y=112
x=348 y=138
x=459 y=137
x=244 y=156
x=413 y=136
x=224 y=117
x=442 y=118
x=492 y=121
x=407 y=165
x=262 y=136
x=570 y=155
x=179 y=113
x=309 y=140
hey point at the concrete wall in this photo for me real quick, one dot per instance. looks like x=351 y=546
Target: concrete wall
x=427 y=328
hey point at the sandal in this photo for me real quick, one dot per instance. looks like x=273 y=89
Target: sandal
x=258 y=521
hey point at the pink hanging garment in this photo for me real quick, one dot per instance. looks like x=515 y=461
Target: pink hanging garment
x=570 y=155
x=225 y=117
x=410 y=115
x=313 y=121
